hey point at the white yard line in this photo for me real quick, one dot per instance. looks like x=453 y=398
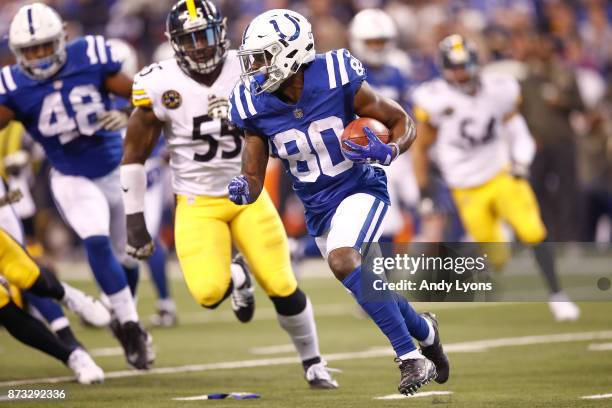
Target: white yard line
x=372 y=353
x=600 y=347
x=597 y=396
x=280 y=349
x=106 y=352
x=418 y=395
x=323 y=310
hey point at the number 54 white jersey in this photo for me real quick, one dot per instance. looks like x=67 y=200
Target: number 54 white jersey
x=205 y=149
x=471 y=147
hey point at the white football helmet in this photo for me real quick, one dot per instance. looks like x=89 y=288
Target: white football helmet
x=274 y=47
x=372 y=24
x=123 y=52
x=33 y=25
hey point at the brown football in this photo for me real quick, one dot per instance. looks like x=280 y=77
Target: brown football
x=354 y=131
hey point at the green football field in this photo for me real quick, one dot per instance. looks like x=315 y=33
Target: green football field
x=502 y=355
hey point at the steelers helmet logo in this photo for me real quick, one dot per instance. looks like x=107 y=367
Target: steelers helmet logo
x=171 y=99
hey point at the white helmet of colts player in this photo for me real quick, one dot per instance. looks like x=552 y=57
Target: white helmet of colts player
x=123 y=52
x=274 y=47
x=38 y=40
x=372 y=36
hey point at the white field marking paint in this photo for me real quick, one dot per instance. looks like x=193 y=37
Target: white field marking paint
x=280 y=349
x=324 y=310
x=600 y=347
x=106 y=352
x=596 y=396
x=417 y=395
x=376 y=352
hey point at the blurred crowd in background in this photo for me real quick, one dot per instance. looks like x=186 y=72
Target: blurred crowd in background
x=561 y=51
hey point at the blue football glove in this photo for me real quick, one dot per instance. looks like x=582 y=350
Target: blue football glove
x=375 y=151
x=239 y=191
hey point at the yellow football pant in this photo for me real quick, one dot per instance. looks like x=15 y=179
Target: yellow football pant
x=16 y=266
x=506 y=198
x=205 y=229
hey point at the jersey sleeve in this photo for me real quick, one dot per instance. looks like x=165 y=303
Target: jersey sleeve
x=424 y=101
x=344 y=70
x=242 y=112
x=100 y=55
x=510 y=93
x=145 y=93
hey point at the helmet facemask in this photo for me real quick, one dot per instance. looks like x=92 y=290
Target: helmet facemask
x=460 y=65
x=201 y=50
x=42 y=68
x=259 y=67
x=375 y=51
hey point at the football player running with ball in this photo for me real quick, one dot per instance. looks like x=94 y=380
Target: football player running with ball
x=295 y=104
x=466 y=115
x=186 y=96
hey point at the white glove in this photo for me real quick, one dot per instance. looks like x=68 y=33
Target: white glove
x=113 y=120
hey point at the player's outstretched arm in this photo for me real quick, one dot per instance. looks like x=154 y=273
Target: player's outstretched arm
x=141 y=137
x=247 y=187
x=370 y=104
x=119 y=84
x=420 y=153
x=6 y=115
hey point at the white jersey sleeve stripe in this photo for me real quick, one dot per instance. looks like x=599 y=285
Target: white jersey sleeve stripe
x=91 y=50
x=250 y=105
x=101 y=46
x=8 y=78
x=239 y=106
x=2 y=90
x=342 y=64
x=331 y=72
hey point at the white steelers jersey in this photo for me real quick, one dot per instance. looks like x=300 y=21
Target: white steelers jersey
x=205 y=149
x=470 y=148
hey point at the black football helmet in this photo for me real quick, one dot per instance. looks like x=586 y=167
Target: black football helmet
x=459 y=62
x=197 y=32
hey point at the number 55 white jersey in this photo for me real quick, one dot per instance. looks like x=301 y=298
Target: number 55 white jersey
x=204 y=147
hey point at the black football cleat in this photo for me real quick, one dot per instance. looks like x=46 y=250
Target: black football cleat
x=136 y=342
x=415 y=372
x=435 y=352
x=242 y=298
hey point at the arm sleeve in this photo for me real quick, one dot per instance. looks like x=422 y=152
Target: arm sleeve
x=522 y=145
x=100 y=54
x=423 y=108
x=239 y=113
x=350 y=73
x=144 y=93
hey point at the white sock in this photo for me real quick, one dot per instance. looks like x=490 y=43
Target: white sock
x=303 y=332
x=430 y=337
x=412 y=355
x=238 y=277
x=124 y=306
x=59 y=323
x=166 y=305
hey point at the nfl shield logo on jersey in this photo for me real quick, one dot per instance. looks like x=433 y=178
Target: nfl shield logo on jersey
x=298 y=113
x=171 y=99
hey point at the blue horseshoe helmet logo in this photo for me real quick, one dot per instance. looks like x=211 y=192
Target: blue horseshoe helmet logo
x=295 y=23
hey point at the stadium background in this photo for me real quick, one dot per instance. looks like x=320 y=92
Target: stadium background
x=566 y=45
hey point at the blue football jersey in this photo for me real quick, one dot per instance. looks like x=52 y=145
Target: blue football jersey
x=61 y=113
x=391 y=82
x=306 y=136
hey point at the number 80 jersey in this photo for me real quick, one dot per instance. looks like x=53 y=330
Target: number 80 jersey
x=306 y=136
x=204 y=147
